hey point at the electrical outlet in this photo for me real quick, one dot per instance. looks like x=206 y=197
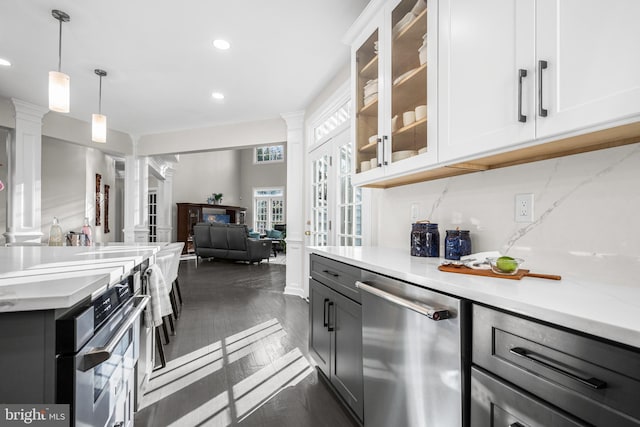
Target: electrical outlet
x=415 y=211
x=524 y=207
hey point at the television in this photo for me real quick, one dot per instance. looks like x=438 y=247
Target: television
x=220 y=218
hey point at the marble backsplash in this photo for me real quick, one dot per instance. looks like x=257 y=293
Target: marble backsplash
x=586 y=213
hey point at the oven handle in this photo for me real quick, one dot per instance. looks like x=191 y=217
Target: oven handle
x=420 y=308
x=100 y=354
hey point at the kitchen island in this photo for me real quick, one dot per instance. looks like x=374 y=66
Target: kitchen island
x=40 y=285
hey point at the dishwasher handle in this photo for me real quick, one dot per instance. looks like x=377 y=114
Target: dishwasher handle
x=432 y=313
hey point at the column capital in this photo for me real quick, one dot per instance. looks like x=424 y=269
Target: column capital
x=28 y=111
x=294 y=119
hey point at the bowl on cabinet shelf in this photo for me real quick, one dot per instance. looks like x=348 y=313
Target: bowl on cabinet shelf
x=403 y=154
x=421 y=112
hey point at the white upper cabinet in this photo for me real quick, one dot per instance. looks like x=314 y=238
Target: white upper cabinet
x=516 y=71
x=483 y=48
x=389 y=77
x=593 y=65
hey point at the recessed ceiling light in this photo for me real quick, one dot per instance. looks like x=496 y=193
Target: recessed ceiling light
x=5 y=62
x=221 y=44
x=217 y=95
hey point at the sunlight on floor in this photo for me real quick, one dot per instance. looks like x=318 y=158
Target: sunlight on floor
x=244 y=397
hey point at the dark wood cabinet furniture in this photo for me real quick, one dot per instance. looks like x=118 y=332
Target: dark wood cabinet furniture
x=189 y=214
x=335 y=335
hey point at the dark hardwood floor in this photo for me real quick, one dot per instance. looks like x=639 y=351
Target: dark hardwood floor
x=239 y=356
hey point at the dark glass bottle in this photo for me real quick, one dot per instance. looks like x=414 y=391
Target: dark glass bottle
x=465 y=243
x=452 y=245
x=425 y=240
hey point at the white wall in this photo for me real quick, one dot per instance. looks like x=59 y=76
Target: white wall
x=259 y=175
x=3 y=178
x=585 y=213
x=63 y=185
x=68 y=187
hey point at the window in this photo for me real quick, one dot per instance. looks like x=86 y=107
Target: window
x=349 y=203
x=153 y=215
x=269 y=154
x=269 y=208
x=338 y=117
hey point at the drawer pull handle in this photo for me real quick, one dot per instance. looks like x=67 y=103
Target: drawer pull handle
x=331 y=273
x=550 y=364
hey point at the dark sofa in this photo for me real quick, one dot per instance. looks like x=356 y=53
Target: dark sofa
x=228 y=241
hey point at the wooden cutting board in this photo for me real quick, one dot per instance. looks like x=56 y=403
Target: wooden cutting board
x=488 y=273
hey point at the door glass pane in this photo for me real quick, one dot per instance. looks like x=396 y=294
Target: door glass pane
x=366 y=103
x=319 y=206
x=409 y=79
x=350 y=203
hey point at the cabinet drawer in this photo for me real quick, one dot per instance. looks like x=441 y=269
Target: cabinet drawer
x=337 y=275
x=593 y=380
x=495 y=403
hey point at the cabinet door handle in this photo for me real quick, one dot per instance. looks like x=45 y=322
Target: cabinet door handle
x=384 y=138
x=331 y=328
x=324 y=313
x=521 y=74
x=542 y=65
x=551 y=364
x=331 y=273
x=380 y=151
x=432 y=313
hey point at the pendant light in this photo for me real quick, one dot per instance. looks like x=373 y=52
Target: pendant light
x=58 y=81
x=98 y=121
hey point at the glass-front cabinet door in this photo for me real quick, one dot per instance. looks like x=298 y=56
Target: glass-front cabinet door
x=368 y=102
x=390 y=65
x=408 y=126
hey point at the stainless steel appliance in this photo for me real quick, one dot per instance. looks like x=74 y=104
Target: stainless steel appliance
x=96 y=355
x=414 y=364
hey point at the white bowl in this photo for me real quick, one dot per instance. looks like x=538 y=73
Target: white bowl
x=421 y=112
x=365 y=166
x=408 y=117
x=374 y=162
x=422 y=55
x=404 y=154
x=394 y=123
x=373 y=138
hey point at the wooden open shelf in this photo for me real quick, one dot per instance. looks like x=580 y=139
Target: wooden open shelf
x=371 y=109
x=413 y=125
x=371 y=147
x=415 y=29
x=598 y=140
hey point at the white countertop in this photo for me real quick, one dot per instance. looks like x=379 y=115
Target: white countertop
x=43 y=277
x=600 y=309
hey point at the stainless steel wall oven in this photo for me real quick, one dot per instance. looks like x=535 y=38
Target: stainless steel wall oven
x=96 y=355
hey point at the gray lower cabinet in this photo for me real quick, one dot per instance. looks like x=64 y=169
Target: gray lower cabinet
x=495 y=403
x=335 y=342
x=532 y=365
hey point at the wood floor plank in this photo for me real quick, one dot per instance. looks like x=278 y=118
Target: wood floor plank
x=238 y=341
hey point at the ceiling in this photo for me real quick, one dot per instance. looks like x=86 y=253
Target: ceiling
x=161 y=64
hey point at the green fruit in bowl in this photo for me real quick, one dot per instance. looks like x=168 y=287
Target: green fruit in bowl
x=506 y=264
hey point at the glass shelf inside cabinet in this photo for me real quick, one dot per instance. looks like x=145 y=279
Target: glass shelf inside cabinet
x=367 y=65
x=409 y=79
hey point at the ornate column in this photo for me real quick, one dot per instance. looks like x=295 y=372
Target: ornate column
x=295 y=280
x=24 y=152
x=136 y=184
x=164 y=205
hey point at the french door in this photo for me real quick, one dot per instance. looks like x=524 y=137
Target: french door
x=335 y=205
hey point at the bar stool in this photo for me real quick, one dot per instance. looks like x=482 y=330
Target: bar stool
x=160 y=305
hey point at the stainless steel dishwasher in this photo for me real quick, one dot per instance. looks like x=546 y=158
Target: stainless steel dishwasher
x=414 y=362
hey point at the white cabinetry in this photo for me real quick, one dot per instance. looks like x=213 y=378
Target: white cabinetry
x=389 y=78
x=516 y=71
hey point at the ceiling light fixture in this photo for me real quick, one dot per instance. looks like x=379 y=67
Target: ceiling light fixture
x=58 y=81
x=5 y=62
x=217 y=95
x=98 y=121
x=221 y=44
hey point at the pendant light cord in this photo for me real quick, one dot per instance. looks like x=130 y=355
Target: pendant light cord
x=60 y=47
x=100 y=98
